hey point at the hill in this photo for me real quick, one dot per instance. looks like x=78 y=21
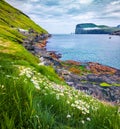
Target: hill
x=33 y=96
x=90 y=28
x=12 y=19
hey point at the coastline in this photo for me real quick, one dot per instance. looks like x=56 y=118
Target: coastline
x=102 y=82
x=38 y=90
x=87 y=48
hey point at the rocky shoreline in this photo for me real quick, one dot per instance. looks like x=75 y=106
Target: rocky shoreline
x=100 y=81
x=116 y=33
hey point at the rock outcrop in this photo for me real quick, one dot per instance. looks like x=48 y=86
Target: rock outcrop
x=116 y=33
x=104 y=85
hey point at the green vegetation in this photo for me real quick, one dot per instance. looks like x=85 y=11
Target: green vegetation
x=34 y=97
x=28 y=99
x=86 y=25
x=11 y=20
x=14 y=18
x=106 y=84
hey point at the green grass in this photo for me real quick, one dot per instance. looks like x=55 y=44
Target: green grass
x=104 y=84
x=29 y=100
x=11 y=17
x=30 y=97
x=33 y=96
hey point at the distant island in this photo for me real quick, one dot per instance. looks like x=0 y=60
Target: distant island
x=91 y=28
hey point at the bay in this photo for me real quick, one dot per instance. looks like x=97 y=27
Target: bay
x=104 y=49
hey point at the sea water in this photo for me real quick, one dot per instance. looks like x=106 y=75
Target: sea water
x=104 y=49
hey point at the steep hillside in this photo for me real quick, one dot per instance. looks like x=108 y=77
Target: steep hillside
x=90 y=28
x=32 y=96
x=12 y=19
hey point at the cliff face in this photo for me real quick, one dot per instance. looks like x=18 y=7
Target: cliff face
x=118 y=26
x=116 y=33
x=90 y=28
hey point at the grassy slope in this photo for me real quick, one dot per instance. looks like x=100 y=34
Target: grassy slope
x=33 y=96
x=11 y=19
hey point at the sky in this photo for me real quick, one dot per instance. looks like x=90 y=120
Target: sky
x=62 y=16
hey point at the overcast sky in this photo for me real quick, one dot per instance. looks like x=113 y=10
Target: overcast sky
x=61 y=16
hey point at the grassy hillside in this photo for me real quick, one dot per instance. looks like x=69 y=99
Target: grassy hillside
x=11 y=19
x=9 y=16
x=33 y=96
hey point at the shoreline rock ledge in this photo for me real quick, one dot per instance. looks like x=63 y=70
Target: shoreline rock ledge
x=94 y=79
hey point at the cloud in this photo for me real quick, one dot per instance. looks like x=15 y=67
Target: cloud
x=113 y=6
x=34 y=0
x=85 y=1
x=112 y=10
x=85 y=16
x=67 y=13
x=115 y=2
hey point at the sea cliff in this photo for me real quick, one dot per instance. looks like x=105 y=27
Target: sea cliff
x=90 y=28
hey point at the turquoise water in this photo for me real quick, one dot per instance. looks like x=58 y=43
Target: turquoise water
x=87 y=48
